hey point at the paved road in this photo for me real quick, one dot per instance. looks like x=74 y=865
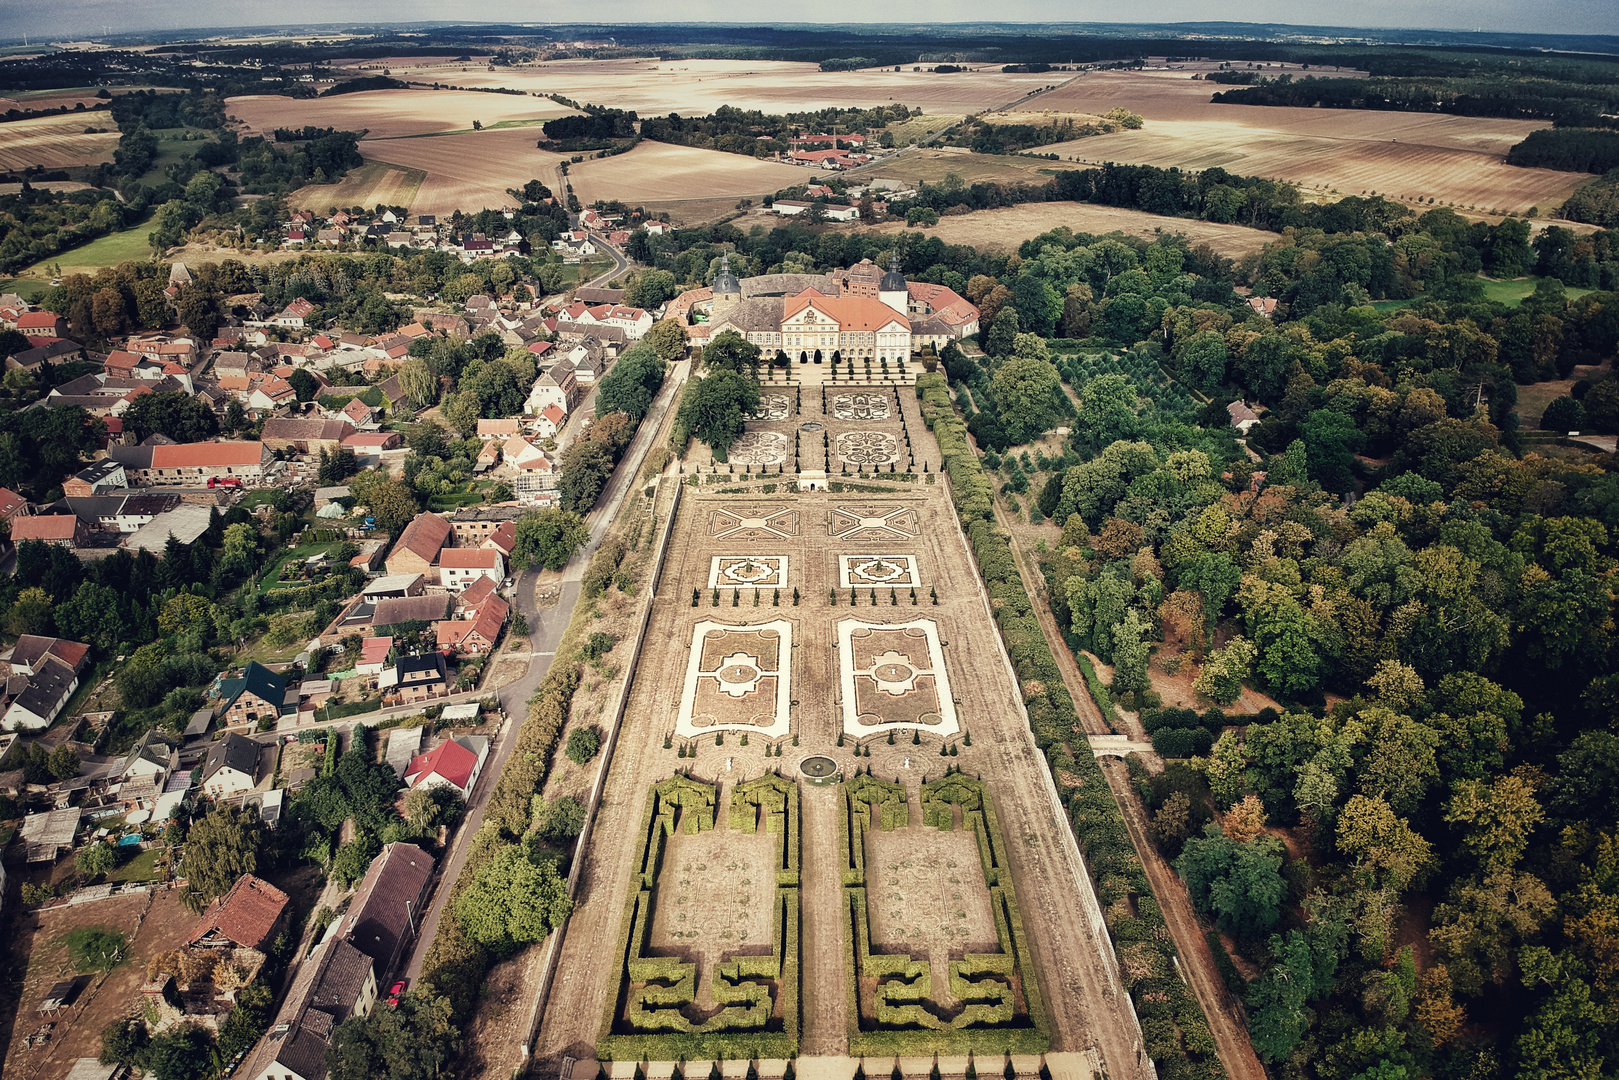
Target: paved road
x=546 y=627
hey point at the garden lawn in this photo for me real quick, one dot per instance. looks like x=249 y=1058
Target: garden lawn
x=29 y=289
x=272 y=578
x=1511 y=292
x=109 y=250
x=142 y=867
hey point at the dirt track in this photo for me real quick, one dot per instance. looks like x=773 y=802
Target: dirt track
x=1225 y=1018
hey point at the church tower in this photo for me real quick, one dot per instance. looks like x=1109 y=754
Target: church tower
x=892 y=291
x=727 y=289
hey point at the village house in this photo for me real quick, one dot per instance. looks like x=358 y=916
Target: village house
x=386 y=911
x=232 y=766
x=414 y=679
x=548 y=425
x=336 y=982
x=555 y=385
x=293 y=315
x=256 y=694
x=460 y=567
x=474 y=634
x=417 y=549
x=455 y=763
x=51 y=667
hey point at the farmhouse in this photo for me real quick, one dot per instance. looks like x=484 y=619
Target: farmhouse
x=294 y=314
x=63 y=530
x=194 y=461
x=549 y=422
x=305 y=436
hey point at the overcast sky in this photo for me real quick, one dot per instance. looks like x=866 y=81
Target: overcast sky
x=85 y=18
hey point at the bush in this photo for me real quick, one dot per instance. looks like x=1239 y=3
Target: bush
x=583 y=744
x=1182 y=742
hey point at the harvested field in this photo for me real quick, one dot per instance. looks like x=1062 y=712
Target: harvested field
x=1456 y=159
x=701 y=86
x=390 y=114
x=1004 y=229
x=660 y=171
x=46 y=185
x=372 y=183
x=935 y=163
x=57 y=141
x=467 y=172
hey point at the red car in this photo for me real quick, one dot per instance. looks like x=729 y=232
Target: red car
x=224 y=481
x=397 y=991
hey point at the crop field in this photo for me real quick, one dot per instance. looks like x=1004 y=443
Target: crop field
x=56 y=141
x=701 y=86
x=1004 y=229
x=661 y=172
x=465 y=172
x=1453 y=159
x=390 y=114
x=372 y=183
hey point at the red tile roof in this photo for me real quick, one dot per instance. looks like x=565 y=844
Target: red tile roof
x=467 y=558
x=47 y=527
x=10 y=502
x=247 y=915
x=851 y=313
x=210 y=455
x=450 y=760
x=477 y=592
x=425 y=535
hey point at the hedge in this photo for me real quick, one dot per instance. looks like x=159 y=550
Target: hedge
x=895 y=1023
x=1175 y=1033
x=1099 y=693
x=758 y=995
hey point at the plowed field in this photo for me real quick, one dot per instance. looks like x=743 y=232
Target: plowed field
x=467 y=172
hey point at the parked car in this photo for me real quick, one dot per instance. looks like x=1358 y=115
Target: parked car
x=397 y=991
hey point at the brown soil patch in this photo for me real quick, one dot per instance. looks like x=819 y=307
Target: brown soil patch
x=154 y=923
x=689 y=87
x=926 y=894
x=469 y=172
